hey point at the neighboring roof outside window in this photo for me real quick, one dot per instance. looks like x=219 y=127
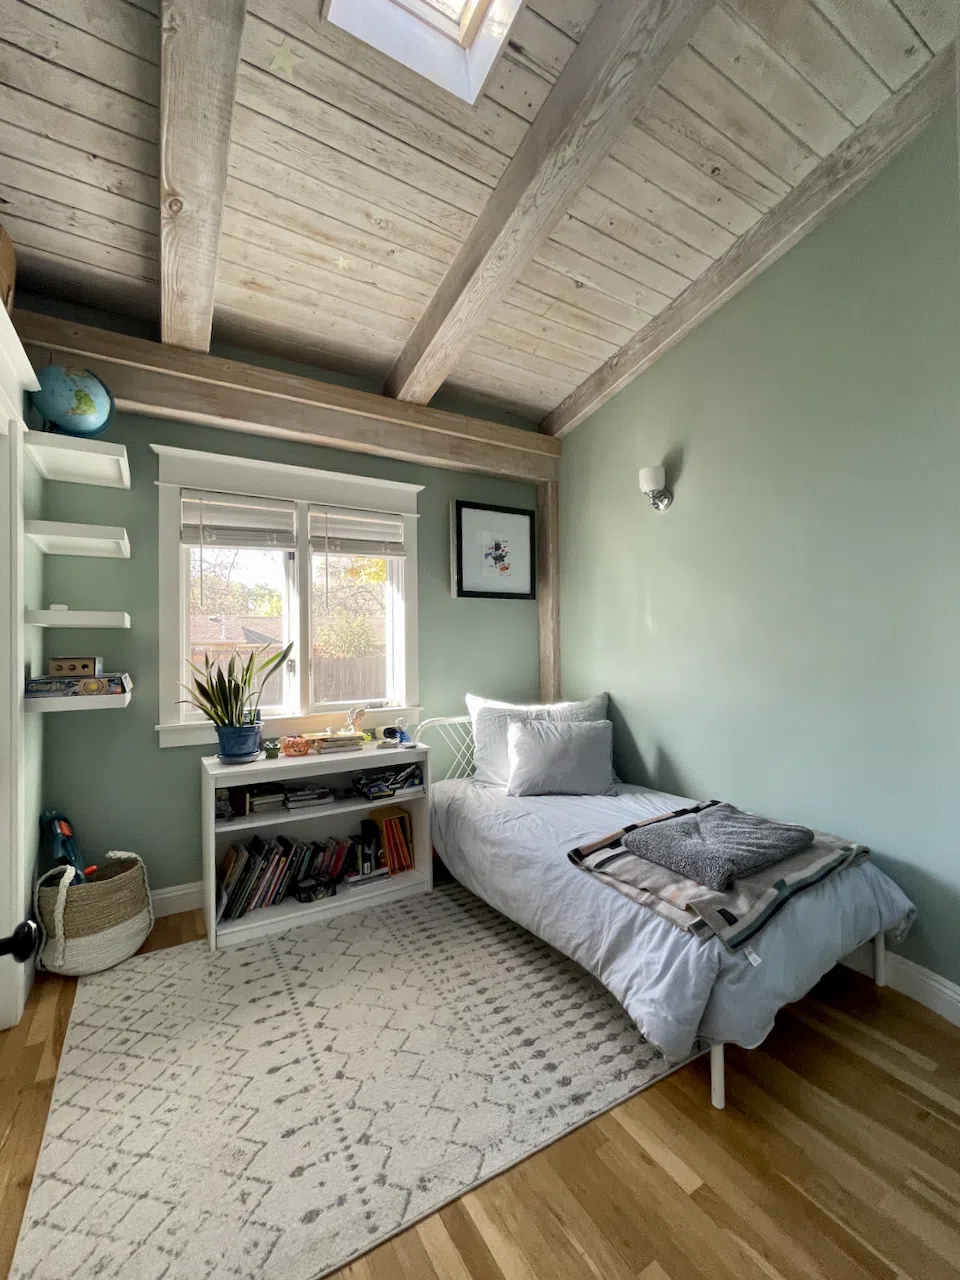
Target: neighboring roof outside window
x=454 y=43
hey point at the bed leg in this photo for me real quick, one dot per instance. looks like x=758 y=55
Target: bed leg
x=880 y=959
x=718 y=1094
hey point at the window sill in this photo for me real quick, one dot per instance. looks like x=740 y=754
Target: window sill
x=204 y=734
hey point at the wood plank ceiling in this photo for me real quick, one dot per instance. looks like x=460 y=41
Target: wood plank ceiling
x=353 y=183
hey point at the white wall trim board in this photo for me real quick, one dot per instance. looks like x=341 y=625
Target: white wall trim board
x=930 y=989
x=176 y=898
x=195 y=469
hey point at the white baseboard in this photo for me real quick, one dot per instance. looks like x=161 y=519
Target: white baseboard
x=913 y=980
x=179 y=897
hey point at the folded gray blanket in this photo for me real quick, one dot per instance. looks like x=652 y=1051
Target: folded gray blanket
x=717 y=844
x=734 y=916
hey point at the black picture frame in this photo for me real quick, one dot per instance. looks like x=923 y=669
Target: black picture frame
x=457 y=549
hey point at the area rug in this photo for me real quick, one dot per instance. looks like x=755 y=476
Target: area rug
x=276 y=1109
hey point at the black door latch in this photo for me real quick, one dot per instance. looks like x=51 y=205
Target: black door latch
x=22 y=943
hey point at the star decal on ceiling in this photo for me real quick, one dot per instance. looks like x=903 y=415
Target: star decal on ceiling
x=283 y=58
x=342 y=263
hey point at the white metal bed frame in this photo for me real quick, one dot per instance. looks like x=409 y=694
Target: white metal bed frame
x=457 y=733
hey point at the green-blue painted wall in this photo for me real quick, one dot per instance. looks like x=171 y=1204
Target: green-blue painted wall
x=787 y=636
x=105 y=768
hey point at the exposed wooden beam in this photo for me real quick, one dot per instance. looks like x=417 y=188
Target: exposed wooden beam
x=548 y=589
x=841 y=175
x=623 y=54
x=199 y=60
x=168 y=382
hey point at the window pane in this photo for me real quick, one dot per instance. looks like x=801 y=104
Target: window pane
x=449 y=8
x=349 y=629
x=239 y=603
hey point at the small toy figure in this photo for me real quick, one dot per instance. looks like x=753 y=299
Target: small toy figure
x=355 y=718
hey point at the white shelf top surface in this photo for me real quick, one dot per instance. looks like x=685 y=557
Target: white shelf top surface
x=311 y=765
x=76 y=461
x=58 y=538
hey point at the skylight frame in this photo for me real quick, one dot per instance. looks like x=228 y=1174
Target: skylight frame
x=415 y=34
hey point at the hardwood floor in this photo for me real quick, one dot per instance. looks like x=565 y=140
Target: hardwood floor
x=838 y=1157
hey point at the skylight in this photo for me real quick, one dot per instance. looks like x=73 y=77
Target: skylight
x=454 y=43
x=452 y=8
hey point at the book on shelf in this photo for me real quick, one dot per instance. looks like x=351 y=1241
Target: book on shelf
x=308 y=796
x=269 y=797
x=230 y=867
x=395 y=831
x=323 y=742
x=266 y=870
x=266 y=797
x=92 y=686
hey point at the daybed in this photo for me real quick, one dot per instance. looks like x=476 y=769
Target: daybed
x=681 y=992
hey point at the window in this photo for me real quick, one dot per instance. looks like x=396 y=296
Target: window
x=255 y=556
x=454 y=43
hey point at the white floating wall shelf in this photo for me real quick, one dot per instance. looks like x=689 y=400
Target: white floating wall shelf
x=77 y=461
x=57 y=538
x=95 y=702
x=74 y=618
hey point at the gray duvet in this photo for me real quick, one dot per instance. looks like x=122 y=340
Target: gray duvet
x=511 y=852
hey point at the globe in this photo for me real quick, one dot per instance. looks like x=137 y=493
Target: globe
x=73 y=401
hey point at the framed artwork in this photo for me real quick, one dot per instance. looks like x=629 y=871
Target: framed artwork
x=493 y=552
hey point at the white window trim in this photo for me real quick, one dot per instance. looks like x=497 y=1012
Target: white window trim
x=191 y=469
x=419 y=45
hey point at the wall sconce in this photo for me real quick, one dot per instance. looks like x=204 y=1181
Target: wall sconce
x=653 y=483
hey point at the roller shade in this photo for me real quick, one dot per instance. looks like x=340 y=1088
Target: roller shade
x=344 y=532
x=232 y=520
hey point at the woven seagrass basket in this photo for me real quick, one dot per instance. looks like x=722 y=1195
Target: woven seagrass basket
x=95 y=924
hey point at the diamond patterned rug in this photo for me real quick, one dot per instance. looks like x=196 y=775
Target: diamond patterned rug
x=274 y=1110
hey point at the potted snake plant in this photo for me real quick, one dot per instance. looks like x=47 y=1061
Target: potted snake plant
x=230 y=697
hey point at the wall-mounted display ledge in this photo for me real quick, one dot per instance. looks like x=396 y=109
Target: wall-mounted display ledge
x=76 y=461
x=95 y=702
x=57 y=538
x=76 y=618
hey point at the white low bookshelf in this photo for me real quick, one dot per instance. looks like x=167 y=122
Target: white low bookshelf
x=335 y=770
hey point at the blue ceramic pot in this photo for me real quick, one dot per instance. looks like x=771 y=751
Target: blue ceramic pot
x=239 y=744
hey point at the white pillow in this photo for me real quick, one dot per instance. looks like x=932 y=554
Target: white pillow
x=560 y=758
x=491 y=720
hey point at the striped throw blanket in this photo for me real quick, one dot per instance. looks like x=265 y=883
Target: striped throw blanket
x=735 y=915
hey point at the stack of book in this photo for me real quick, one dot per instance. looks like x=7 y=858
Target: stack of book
x=395 y=839
x=307 y=795
x=267 y=797
x=258 y=874
x=332 y=858
x=335 y=741
x=265 y=871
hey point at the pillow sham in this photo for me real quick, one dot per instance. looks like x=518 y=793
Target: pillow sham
x=560 y=758
x=491 y=721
